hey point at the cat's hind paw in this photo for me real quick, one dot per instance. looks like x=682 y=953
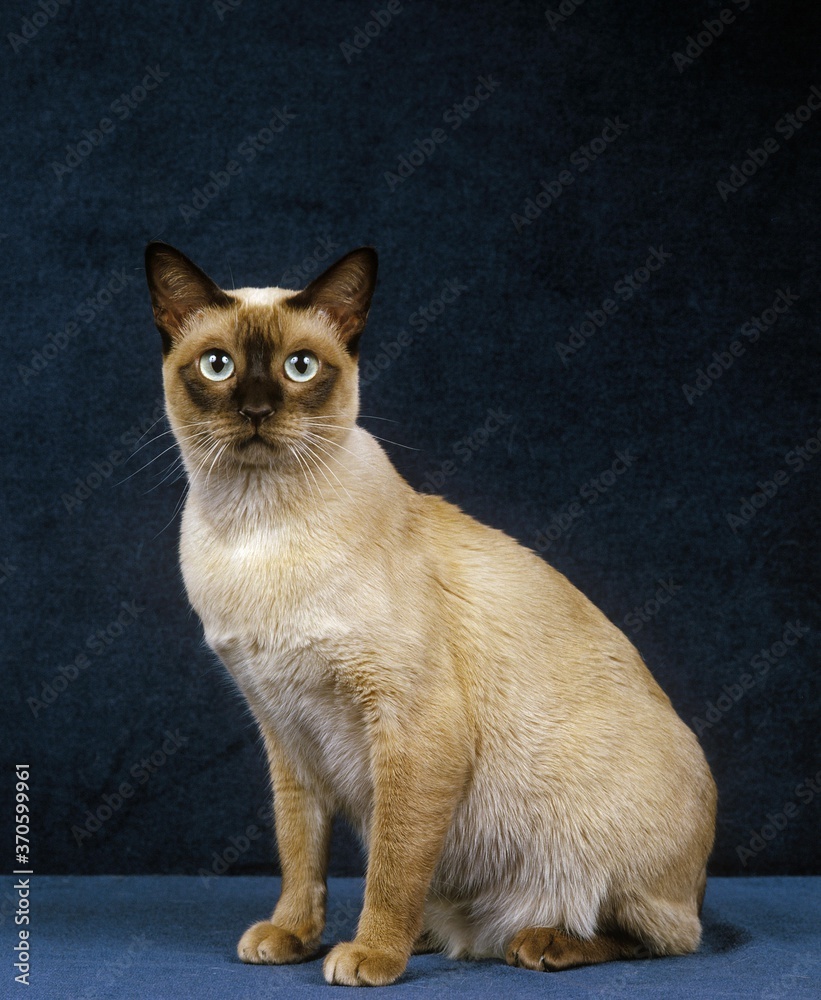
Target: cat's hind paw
x=266 y=944
x=352 y=964
x=540 y=948
x=547 y=949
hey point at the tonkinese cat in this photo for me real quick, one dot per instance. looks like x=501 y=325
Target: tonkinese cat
x=522 y=785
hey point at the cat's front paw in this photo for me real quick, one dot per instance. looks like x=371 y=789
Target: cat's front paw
x=352 y=964
x=267 y=944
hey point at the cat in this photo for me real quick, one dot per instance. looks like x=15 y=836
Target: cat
x=523 y=787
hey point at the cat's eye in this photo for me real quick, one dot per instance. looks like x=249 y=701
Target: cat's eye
x=216 y=365
x=302 y=366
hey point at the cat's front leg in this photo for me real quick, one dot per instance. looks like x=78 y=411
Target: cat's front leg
x=420 y=772
x=303 y=827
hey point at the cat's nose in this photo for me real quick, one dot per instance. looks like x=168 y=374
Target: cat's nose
x=256 y=413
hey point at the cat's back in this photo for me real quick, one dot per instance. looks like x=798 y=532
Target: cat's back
x=520 y=617
x=562 y=698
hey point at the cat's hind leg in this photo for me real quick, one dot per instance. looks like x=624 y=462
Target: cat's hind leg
x=639 y=926
x=548 y=949
x=425 y=944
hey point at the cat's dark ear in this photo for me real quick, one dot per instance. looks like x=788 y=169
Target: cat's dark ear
x=178 y=288
x=343 y=293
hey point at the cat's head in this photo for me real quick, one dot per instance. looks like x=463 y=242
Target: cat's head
x=259 y=376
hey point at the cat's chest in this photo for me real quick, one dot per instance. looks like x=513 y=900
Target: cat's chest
x=268 y=583
x=280 y=618
x=296 y=694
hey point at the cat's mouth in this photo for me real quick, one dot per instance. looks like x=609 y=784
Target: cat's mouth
x=264 y=447
x=260 y=449
x=256 y=440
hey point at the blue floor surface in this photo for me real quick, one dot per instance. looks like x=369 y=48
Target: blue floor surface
x=173 y=938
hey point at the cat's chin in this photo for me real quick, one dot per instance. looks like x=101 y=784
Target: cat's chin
x=259 y=452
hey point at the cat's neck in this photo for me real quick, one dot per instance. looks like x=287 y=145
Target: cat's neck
x=342 y=482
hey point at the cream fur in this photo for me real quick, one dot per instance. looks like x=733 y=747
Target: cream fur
x=585 y=784
x=419 y=671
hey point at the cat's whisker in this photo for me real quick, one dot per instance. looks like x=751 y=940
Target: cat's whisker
x=366 y=416
x=181 y=502
x=145 y=444
x=318 y=443
x=199 y=438
x=175 y=466
x=147 y=464
x=333 y=444
x=154 y=424
x=211 y=450
x=217 y=457
x=310 y=454
x=177 y=509
x=397 y=443
x=304 y=463
x=313 y=476
x=198 y=423
x=163 y=434
x=170 y=430
x=295 y=454
x=316 y=422
x=208 y=453
x=294 y=450
x=325 y=427
x=319 y=459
